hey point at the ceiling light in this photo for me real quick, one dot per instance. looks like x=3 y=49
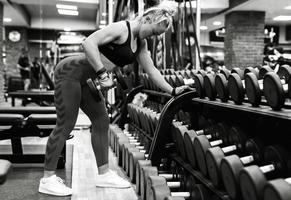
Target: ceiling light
x=216 y=23
x=68 y=12
x=83 y=1
x=104 y=14
x=102 y=21
x=203 y=28
x=7 y=20
x=282 y=18
x=68 y=7
x=288 y=7
x=67 y=29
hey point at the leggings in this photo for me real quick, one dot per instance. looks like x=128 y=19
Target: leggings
x=69 y=97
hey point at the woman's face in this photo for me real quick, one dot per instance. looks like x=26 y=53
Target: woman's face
x=151 y=29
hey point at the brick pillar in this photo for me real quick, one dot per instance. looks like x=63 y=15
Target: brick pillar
x=13 y=49
x=1 y=58
x=244 y=40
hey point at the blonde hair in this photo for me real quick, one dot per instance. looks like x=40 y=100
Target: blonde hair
x=165 y=10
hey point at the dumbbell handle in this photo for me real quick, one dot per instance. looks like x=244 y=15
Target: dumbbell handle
x=174 y=184
x=267 y=168
x=201 y=132
x=288 y=180
x=180 y=194
x=215 y=143
x=229 y=149
x=167 y=176
x=188 y=81
x=247 y=159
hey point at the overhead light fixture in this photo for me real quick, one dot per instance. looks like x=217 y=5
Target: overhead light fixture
x=288 y=7
x=203 y=28
x=67 y=29
x=217 y=23
x=68 y=12
x=282 y=18
x=67 y=7
x=102 y=21
x=7 y=19
x=82 y=1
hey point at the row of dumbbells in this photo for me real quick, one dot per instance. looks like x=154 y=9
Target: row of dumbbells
x=144 y=118
x=254 y=85
x=235 y=163
x=175 y=79
x=155 y=183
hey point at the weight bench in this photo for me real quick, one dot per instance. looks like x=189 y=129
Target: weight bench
x=36 y=96
x=16 y=126
x=5 y=167
x=26 y=111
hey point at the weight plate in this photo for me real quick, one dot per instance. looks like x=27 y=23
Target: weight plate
x=139 y=165
x=252 y=181
x=255 y=147
x=225 y=73
x=188 y=141
x=230 y=168
x=238 y=71
x=200 y=192
x=221 y=87
x=273 y=91
x=252 y=89
x=263 y=71
x=201 y=144
x=209 y=86
x=284 y=72
x=213 y=157
x=235 y=88
x=277 y=156
x=199 y=85
x=277 y=189
x=251 y=70
x=237 y=137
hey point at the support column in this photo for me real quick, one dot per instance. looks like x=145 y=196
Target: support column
x=244 y=40
x=1 y=57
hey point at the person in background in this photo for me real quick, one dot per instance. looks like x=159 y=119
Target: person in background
x=35 y=73
x=24 y=66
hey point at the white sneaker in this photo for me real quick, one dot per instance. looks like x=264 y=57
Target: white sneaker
x=54 y=185
x=111 y=180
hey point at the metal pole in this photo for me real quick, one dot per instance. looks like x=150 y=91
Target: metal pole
x=110 y=11
x=198 y=19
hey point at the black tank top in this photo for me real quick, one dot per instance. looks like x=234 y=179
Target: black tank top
x=120 y=54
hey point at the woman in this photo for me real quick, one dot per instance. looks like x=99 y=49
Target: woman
x=117 y=44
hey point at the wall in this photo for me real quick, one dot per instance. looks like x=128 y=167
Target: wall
x=1 y=63
x=13 y=50
x=244 y=40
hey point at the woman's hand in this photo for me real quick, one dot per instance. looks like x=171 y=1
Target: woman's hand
x=105 y=81
x=179 y=90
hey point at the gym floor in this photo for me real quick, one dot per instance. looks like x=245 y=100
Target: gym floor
x=84 y=168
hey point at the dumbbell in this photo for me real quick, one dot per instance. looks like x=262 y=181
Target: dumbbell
x=232 y=165
x=181 y=181
x=147 y=171
x=221 y=82
x=199 y=83
x=214 y=155
x=253 y=178
x=276 y=87
x=163 y=192
x=129 y=149
x=254 y=83
x=278 y=189
x=211 y=131
x=201 y=144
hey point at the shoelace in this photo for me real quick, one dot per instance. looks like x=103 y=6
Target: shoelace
x=60 y=180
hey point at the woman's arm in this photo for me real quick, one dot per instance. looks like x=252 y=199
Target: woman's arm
x=145 y=61
x=106 y=35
